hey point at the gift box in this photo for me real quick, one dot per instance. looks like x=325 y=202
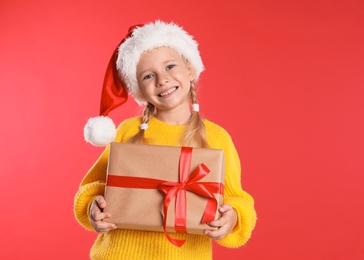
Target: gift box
x=164 y=188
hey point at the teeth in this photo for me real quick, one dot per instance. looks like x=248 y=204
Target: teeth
x=167 y=92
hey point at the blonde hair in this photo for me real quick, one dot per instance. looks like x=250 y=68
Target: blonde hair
x=195 y=133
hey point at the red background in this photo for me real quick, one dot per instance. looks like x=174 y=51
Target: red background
x=285 y=78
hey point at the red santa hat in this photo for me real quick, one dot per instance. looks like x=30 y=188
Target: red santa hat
x=120 y=77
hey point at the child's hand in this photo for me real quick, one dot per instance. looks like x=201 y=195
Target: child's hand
x=225 y=223
x=97 y=216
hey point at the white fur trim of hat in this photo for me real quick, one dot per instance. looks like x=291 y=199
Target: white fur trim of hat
x=151 y=36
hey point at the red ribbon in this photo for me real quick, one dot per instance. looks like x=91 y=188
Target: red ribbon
x=178 y=189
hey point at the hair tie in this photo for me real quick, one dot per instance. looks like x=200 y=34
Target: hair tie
x=196 y=107
x=144 y=126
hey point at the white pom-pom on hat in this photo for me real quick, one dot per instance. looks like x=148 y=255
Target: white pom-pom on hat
x=100 y=131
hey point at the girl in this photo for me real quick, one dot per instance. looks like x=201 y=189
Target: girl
x=159 y=65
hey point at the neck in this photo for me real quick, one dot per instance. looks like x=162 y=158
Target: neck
x=174 y=117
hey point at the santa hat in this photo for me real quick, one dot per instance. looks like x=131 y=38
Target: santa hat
x=120 y=77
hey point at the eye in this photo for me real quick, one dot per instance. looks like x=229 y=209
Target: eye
x=149 y=76
x=169 y=67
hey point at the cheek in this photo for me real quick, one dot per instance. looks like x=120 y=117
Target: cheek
x=143 y=85
x=186 y=79
x=183 y=76
x=146 y=89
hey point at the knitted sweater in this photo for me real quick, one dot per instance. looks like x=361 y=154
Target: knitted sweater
x=135 y=244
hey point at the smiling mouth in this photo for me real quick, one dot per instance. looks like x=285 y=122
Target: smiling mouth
x=169 y=91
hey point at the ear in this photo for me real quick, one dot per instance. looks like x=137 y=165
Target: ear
x=191 y=72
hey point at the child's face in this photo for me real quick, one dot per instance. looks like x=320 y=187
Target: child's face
x=165 y=78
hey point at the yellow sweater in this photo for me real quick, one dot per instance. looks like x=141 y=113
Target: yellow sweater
x=133 y=244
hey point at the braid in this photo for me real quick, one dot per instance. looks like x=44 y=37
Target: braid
x=193 y=93
x=147 y=114
x=195 y=134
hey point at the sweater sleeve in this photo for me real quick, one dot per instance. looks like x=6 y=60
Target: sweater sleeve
x=92 y=185
x=234 y=195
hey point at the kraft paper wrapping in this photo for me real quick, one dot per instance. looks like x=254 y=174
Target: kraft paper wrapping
x=142 y=209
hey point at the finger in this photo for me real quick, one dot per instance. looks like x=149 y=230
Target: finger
x=219 y=222
x=100 y=216
x=104 y=230
x=225 y=208
x=102 y=226
x=216 y=234
x=94 y=210
x=97 y=206
x=100 y=202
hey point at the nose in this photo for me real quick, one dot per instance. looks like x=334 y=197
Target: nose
x=162 y=80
